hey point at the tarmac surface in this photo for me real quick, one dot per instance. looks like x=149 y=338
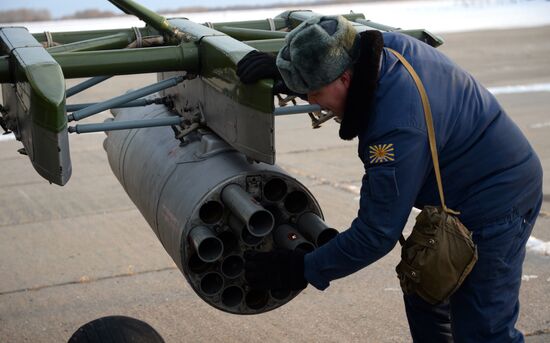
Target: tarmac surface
x=72 y=254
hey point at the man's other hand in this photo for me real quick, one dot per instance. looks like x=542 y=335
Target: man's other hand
x=257 y=65
x=278 y=269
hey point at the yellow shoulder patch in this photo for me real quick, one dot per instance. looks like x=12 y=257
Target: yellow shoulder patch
x=381 y=153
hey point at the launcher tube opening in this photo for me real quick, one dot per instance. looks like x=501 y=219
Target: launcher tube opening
x=209 y=248
x=232 y=296
x=258 y=220
x=232 y=266
x=296 y=202
x=211 y=283
x=275 y=189
x=315 y=229
x=211 y=212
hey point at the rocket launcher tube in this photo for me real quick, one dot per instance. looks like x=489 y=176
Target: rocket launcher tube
x=232 y=266
x=200 y=170
x=209 y=248
x=315 y=229
x=241 y=231
x=258 y=220
x=232 y=296
x=286 y=237
x=211 y=284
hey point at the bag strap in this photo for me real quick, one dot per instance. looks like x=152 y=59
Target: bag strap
x=429 y=124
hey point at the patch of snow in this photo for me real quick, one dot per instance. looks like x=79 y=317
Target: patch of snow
x=537 y=87
x=538 y=246
x=540 y=125
x=8 y=137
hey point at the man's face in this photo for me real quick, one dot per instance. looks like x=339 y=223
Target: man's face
x=332 y=96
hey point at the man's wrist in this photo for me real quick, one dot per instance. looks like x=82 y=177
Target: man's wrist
x=312 y=273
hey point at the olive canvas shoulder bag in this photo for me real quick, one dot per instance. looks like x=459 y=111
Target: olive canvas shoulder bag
x=439 y=253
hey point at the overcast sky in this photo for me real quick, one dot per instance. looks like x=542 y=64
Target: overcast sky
x=63 y=7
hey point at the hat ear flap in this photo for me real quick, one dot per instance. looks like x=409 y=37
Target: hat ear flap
x=362 y=89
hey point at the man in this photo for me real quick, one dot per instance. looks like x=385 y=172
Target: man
x=490 y=173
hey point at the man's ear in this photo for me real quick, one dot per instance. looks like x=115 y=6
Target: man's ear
x=346 y=78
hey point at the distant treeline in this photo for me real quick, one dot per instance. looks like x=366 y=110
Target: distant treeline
x=24 y=14
x=27 y=14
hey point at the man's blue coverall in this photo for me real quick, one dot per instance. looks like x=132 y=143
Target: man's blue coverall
x=490 y=174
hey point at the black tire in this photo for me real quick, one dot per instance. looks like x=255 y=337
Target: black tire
x=116 y=329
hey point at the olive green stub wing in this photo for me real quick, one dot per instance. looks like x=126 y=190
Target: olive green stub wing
x=241 y=114
x=34 y=106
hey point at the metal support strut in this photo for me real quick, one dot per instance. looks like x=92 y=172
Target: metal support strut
x=119 y=100
x=125 y=125
x=281 y=111
x=135 y=103
x=85 y=85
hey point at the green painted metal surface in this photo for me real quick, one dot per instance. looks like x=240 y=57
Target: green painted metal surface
x=35 y=104
x=116 y=41
x=16 y=37
x=77 y=36
x=219 y=55
x=240 y=114
x=38 y=76
x=129 y=61
x=251 y=34
x=266 y=45
x=425 y=36
x=151 y=18
x=263 y=24
x=420 y=34
x=119 y=61
x=45 y=87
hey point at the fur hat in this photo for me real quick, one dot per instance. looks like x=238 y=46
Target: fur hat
x=317 y=52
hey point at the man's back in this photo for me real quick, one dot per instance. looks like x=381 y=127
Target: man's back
x=488 y=167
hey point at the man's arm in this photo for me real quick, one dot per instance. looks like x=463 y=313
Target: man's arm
x=396 y=165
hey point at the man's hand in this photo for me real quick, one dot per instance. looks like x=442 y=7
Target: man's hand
x=257 y=65
x=278 y=269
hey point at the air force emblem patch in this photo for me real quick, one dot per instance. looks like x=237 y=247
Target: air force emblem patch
x=380 y=153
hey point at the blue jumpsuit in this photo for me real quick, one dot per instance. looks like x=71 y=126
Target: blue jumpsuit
x=490 y=174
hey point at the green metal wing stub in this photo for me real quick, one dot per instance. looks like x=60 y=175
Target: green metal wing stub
x=35 y=104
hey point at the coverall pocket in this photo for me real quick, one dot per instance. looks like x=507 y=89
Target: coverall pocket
x=382 y=184
x=499 y=245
